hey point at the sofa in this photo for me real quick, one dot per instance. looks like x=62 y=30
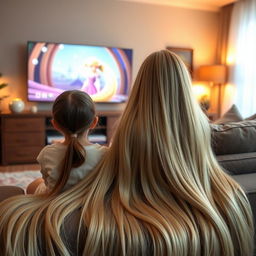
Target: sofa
x=240 y=166
x=234 y=144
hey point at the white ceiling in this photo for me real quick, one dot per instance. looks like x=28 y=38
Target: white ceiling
x=209 y=5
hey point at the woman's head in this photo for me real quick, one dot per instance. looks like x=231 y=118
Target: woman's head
x=163 y=85
x=74 y=112
x=162 y=123
x=164 y=167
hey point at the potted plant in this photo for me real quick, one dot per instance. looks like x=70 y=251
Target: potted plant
x=204 y=103
x=2 y=85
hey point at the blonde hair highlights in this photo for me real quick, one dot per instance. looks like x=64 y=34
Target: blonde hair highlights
x=158 y=191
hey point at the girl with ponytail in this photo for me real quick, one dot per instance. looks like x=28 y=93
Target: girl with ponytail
x=64 y=164
x=158 y=191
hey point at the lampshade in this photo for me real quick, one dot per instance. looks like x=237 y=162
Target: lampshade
x=213 y=73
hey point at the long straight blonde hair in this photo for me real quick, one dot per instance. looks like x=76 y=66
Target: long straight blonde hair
x=158 y=191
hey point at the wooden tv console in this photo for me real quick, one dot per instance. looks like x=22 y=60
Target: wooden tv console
x=23 y=135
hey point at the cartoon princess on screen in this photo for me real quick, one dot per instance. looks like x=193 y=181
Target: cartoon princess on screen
x=93 y=83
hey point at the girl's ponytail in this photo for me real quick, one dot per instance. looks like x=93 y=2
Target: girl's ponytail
x=74 y=157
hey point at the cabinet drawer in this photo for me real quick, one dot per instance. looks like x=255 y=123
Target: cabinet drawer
x=23 y=124
x=24 y=139
x=21 y=154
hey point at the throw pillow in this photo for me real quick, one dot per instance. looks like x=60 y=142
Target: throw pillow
x=253 y=117
x=234 y=137
x=232 y=115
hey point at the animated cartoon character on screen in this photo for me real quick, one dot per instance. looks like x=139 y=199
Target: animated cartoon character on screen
x=94 y=81
x=100 y=82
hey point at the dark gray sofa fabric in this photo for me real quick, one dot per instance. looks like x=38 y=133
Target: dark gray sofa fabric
x=247 y=181
x=252 y=200
x=234 y=138
x=236 y=164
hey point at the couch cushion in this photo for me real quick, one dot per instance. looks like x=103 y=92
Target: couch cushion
x=253 y=117
x=236 y=164
x=247 y=181
x=234 y=138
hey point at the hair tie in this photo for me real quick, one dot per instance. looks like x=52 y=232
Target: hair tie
x=74 y=135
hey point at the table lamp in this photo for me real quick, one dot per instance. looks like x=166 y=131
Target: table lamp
x=216 y=76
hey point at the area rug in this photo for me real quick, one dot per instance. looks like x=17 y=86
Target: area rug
x=20 y=179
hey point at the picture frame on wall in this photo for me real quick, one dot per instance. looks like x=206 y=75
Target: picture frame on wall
x=186 y=54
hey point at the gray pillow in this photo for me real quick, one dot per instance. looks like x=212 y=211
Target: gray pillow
x=253 y=117
x=232 y=115
x=234 y=137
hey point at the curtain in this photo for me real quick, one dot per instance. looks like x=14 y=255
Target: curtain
x=224 y=26
x=222 y=49
x=242 y=56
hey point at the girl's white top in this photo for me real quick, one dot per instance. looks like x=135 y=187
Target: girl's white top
x=51 y=159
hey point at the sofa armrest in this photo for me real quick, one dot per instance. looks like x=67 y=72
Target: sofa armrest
x=247 y=181
x=237 y=164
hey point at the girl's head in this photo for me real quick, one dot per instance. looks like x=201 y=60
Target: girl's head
x=73 y=112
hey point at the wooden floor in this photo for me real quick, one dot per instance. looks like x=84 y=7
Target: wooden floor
x=18 y=168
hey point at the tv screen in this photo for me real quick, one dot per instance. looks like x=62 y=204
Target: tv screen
x=103 y=72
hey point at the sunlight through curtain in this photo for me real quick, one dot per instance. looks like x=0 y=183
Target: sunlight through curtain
x=242 y=55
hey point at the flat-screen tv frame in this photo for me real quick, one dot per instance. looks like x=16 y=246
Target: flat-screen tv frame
x=113 y=66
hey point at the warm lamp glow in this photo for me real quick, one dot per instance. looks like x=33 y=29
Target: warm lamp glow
x=230 y=89
x=231 y=56
x=229 y=95
x=216 y=75
x=213 y=73
x=201 y=90
x=16 y=99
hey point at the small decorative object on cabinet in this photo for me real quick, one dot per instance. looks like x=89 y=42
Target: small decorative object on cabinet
x=34 y=109
x=204 y=103
x=23 y=135
x=16 y=105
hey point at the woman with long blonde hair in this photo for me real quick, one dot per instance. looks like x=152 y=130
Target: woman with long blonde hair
x=158 y=191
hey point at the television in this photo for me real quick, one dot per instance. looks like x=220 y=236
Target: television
x=103 y=72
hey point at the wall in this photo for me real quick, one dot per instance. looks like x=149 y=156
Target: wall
x=143 y=27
